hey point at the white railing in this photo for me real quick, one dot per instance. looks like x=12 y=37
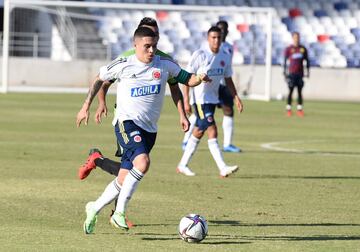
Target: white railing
x=35 y=45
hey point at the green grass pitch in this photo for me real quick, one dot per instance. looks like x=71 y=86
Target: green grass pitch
x=302 y=193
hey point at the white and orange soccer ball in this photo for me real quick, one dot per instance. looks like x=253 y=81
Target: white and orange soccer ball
x=193 y=228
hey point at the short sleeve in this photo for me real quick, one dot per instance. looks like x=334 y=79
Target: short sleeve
x=228 y=71
x=194 y=63
x=173 y=68
x=112 y=70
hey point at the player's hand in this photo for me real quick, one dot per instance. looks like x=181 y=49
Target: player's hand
x=185 y=124
x=239 y=104
x=101 y=111
x=187 y=108
x=83 y=115
x=204 y=78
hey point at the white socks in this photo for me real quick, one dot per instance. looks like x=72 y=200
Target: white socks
x=189 y=150
x=130 y=183
x=110 y=193
x=192 y=120
x=216 y=153
x=228 y=124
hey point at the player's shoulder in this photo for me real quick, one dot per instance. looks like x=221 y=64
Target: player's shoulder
x=118 y=62
x=199 y=53
x=302 y=47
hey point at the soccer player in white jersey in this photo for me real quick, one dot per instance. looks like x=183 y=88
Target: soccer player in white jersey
x=225 y=100
x=140 y=93
x=217 y=64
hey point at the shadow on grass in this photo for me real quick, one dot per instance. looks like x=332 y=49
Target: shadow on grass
x=293 y=177
x=217 y=240
x=238 y=223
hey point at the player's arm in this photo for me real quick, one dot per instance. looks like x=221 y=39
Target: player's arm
x=106 y=73
x=191 y=80
x=84 y=113
x=286 y=56
x=306 y=58
x=230 y=84
x=178 y=100
x=102 y=107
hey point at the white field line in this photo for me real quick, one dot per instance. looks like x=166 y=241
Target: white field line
x=274 y=146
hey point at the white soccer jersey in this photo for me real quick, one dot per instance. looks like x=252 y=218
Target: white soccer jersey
x=140 y=88
x=216 y=66
x=227 y=48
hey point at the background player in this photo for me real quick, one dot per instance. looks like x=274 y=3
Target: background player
x=296 y=54
x=225 y=98
x=217 y=64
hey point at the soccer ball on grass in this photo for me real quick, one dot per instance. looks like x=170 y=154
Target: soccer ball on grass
x=193 y=228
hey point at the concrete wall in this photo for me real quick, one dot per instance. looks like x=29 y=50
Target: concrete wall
x=324 y=84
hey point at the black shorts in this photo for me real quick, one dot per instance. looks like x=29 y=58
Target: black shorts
x=134 y=141
x=295 y=80
x=225 y=97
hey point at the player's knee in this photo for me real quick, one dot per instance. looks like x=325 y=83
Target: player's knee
x=212 y=131
x=142 y=162
x=198 y=133
x=228 y=111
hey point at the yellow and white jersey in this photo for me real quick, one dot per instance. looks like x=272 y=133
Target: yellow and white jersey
x=216 y=66
x=140 y=88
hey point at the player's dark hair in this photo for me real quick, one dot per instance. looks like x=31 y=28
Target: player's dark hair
x=222 y=23
x=148 y=21
x=295 y=33
x=144 y=32
x=214 y=29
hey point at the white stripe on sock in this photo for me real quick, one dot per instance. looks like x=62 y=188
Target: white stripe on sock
x=129 y=186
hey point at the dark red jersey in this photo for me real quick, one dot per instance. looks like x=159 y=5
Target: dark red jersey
x=296 y=57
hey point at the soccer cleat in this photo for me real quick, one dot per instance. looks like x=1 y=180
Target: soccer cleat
x=300 y=113
x=231 y=148
x=185 y=170
x=118 y=220
x=91 y=218
x=227 y=170
x=86 y=168
x=288 y=113
x=128 y=222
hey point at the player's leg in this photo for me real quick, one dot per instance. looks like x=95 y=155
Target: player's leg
x=300 y=108
x=96 y=159
x=289 y=99
x=192 y=143
x=93 y=208
x=227 y=105
x=192 y=120
x=135 y=158
x=213 y=143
